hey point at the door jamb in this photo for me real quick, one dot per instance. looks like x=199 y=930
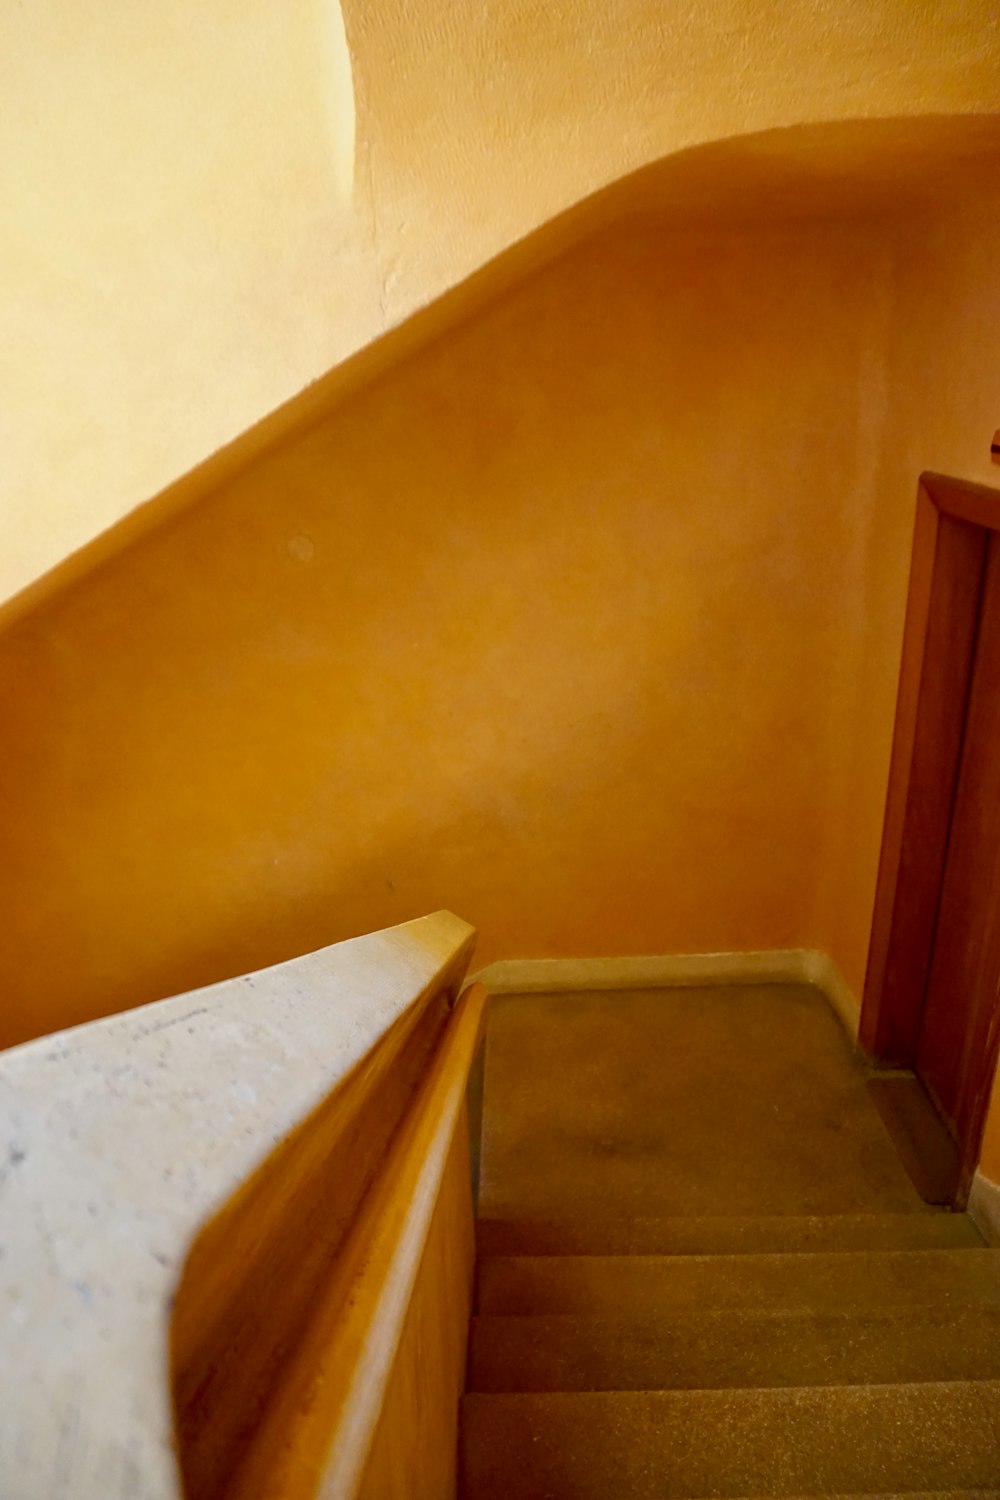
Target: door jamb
x=953 y=524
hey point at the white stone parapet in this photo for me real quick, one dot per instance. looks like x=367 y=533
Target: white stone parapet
x=118 y=1140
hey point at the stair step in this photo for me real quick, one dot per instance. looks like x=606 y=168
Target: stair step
x=726 y=1236
x=588 y=1445
x=640 y=1285
x=716 y=1350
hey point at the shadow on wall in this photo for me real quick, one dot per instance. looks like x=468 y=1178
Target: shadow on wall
x=548 y=610
x=861 y=169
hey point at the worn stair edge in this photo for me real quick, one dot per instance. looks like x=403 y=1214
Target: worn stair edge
x=727 y=1236
x=719 y=1350
x=818 y=1281
x=718 y=1444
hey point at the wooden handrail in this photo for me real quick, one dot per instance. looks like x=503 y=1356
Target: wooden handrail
x=345 y=1423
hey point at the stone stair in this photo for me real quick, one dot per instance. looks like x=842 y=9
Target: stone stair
x=647 y=1356
x=869 y=1367
x=938 y=1438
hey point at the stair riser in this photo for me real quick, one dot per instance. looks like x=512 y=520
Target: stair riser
x=846 y=1232
x=635 y=1286
x=661 y=1445
x=729 y=1350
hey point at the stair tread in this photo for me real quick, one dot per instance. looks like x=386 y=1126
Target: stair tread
x=939 y=1436
x=719 y=1349
x=817 y=1280
x=717 y=1234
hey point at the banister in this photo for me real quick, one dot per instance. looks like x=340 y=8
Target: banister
x=121 y=1139
x=355 y=1371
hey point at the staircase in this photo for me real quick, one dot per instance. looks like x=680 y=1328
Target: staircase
x=703 y=1270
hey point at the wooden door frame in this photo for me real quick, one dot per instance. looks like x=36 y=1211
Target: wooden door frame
x=954 y=520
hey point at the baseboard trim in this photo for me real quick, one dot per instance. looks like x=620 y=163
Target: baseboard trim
x=984 y=1208
x=820 y=970
x=522 y=976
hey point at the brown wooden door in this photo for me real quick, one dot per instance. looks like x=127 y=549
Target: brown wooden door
x=960 y=1004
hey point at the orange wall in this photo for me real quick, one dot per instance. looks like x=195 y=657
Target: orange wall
x=941 y=406
x=551 y=626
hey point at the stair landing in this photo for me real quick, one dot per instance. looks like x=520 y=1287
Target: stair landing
x=743 y=1100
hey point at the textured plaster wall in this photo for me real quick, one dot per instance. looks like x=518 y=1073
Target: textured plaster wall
x=990 y=1163
x=188 y=237
x=505 y=116
x=546 y=626
x=178 y=246
x=941 y=405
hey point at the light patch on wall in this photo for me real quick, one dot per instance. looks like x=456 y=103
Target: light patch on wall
x=177 y=246
x=339 y=95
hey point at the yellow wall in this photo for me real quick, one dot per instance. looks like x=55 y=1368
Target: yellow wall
x=178 y=246
x=195 y=223
x=546 y=626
